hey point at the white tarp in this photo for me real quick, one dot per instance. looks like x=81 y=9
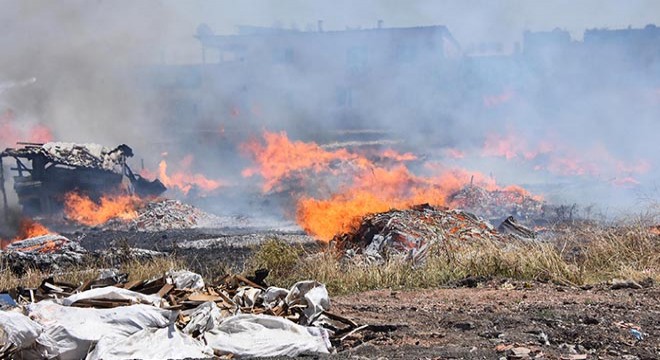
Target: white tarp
x=113 y=293
x=147 y=344
x=274 y=296
x=185 y=279
x=144 y=331
x=71 y=332
x=263 y=335
x=313 y=294
x=247 y=296
x=205 y=317
x=17 y=330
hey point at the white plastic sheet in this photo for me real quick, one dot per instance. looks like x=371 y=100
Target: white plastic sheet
x=310 y=293
x=185 y=279
x=70 y=332
x=147 y=344
x=114 y=293
x=247 y=296
x=262 y=335
x=17 y=330
x=274 y=296
x=205 y=317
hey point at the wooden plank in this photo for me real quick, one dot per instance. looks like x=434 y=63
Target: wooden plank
x=340 y=318
x=165 y=290
x=132 y=284
x=204 y=297
x=100 y=303
x=248 y=282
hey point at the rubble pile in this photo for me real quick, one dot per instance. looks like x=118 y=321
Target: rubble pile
x=411 y=231
x=46 y=252
x=498 y=204
x=162 y=214
x=53 y=253
x=174 y=316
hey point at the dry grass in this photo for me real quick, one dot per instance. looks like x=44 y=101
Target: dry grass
x=137 y=270
x=576 y=256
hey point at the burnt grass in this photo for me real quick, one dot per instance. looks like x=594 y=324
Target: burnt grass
x=220 y=250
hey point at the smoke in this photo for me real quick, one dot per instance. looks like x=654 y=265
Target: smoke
x=576 y=122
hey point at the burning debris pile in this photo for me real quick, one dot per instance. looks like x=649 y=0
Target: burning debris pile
x=168 y=214
x=159 y=215
x=53 y=252
x=410 y=232
x=499 y=203
x=174 y=316
x=46 y=172
x=43 y=252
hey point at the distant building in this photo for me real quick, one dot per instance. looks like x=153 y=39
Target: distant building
x=268 y=75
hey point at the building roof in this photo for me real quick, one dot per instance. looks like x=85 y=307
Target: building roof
x=76 y=155
x=207 y=38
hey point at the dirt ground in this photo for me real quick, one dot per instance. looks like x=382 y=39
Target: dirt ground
x=503 y=319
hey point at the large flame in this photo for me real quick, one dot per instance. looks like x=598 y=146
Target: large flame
x=84 y=210
x=183 y=180
x=355 y=185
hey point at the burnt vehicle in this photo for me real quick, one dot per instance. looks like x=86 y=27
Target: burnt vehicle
x=44 y=173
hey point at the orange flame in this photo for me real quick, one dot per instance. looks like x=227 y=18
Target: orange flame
x=279 y=158
x=27 y=229
x=183 y=180
x=363 y=185
x=562 y=159
x=83 y=210
x=11 y=131
x=381 y=190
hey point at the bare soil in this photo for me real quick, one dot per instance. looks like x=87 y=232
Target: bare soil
x=484 y=322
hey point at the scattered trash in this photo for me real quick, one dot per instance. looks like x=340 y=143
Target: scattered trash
x=178 y=315
x=637 y=334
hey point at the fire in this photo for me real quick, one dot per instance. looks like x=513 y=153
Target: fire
x=279 y=158
x=394 y=155
x=83 y=210
x=491 y=101
x=27 y=229
x=354 y=185
x=183 y=180
x=384 y=189
x=556 y=157
x=454 y=153
x=12 y=131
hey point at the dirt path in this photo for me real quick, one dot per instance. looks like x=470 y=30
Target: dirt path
x=485 y=322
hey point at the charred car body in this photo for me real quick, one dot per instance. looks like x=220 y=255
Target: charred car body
x=44 y=173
